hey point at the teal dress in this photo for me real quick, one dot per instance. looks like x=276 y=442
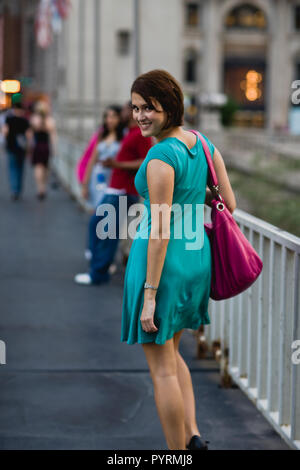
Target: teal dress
x=184 y=288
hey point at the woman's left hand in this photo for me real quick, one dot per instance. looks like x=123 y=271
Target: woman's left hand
x=148 y=315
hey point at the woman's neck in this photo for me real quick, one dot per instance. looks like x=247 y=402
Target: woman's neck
x=174 y=132
x=112 y=135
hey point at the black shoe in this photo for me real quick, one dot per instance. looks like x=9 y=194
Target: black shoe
x=15 y=197
x=41 y=196
x=197 y=443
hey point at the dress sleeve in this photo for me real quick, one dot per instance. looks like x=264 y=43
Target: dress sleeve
x=160 y=153
x=210 y=145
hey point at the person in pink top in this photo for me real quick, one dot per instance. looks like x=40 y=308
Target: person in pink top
x=133 y=150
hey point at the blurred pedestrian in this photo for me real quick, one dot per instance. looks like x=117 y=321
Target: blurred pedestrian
x=132 y=152
x=3 y=115
x=97 y=177
x=17 y=139
x=167 y=284
x=43 y=145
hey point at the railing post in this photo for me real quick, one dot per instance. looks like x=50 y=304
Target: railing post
x=295 y=400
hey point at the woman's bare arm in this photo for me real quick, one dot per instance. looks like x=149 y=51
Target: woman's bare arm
x=160 y=178
x=225 y=188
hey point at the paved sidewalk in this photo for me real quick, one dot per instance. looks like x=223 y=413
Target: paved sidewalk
x=69 y=383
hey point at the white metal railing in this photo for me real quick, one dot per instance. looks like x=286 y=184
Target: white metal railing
x=259 y=326
x=69 y=152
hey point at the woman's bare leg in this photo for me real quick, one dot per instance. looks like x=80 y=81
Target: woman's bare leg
x=41 y=177
x=186 y=386
x=167 y=393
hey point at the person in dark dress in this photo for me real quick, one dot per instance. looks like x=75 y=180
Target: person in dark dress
x=43 y=138
x=17 y=139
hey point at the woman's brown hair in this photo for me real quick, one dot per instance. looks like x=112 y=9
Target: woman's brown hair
x=163 y=87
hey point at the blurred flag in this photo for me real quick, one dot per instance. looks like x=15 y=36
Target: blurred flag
x=43 y=28
x=63 y=7
x=49 y=17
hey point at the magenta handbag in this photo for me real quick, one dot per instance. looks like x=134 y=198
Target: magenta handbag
x=235 y=263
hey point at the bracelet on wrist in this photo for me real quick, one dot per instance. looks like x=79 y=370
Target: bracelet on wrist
x=149 y=286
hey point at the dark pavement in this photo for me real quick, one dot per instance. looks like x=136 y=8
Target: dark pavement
x=68 y=382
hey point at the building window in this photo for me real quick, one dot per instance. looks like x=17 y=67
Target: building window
x=297 y=17
x=246 y=17
x=191 y=109
x=193 y=14
x=123 y=42
x=244 y=81
x=190 y=72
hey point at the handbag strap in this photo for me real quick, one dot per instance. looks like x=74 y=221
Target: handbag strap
x=213 y=175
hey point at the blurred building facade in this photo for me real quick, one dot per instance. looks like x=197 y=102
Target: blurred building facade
x=20 y=57
x=248 y=50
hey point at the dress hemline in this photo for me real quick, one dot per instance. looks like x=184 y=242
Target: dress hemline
x=130 y=342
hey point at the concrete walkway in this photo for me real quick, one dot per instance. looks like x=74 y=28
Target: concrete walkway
x=68 y=382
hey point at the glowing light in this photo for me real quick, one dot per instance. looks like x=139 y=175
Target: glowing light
x=251 y=94
x=252 y=76
x=10 y=86
x=2 y=99
x=250 y=85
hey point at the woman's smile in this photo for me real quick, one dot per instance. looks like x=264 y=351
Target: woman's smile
x=145 y=125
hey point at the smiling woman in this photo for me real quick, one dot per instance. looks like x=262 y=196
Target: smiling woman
x=167 y=284
x=149 y=118
x=161 y=99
